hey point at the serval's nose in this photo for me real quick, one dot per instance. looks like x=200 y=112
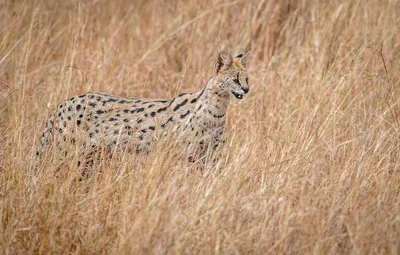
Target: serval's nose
x=245 y=90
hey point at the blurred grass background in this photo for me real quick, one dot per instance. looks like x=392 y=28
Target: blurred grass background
x=312 y=159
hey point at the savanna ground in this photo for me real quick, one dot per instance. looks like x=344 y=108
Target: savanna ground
x=312 y=163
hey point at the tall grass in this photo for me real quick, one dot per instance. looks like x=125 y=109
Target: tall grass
x=312 y=162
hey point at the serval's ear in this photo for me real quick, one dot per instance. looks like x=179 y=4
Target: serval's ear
x=243 y=57
x=224 y=61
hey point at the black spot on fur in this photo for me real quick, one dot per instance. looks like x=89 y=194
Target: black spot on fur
x=59 y=114
x=173 y=100
x=182 y=94
x=162 y=109
x=69 y=108
x=118 y=115
x=169 y=120
x=91 y=135
x=185 y=114
x=151 y=106
x=80 y=116
x=140 y=110
x=78 y=107
x=112 y=119
x=143 y=130
x=78 y=122
x=139 y=121
x=153 y=114
x=92 y=105
x=112 y=100
x=194 y=100
x=69 y=117
x=116 y=132
x=126 y=120
x=215 y=115
x=152 y=128
x=82 y=96
x=100 y=111
x=126 y=110
x=180 y=105
x=140 y=137
x=123 y=102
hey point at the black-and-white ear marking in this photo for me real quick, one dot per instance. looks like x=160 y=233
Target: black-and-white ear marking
x=224 y=61
x=243 y=57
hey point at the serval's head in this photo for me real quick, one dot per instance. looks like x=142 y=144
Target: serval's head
x=231 y=75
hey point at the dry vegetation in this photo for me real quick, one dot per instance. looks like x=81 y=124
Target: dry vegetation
x=312 y=163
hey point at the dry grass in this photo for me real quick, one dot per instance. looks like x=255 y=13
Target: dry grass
x=313 y=159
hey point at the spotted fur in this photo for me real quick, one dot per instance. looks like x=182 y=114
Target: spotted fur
x=196 y=119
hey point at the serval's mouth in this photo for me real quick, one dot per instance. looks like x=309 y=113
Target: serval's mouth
x=237 y=95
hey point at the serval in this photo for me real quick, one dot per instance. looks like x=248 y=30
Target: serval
x=196 y=119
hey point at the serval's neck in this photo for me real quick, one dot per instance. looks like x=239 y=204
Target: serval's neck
x=212 y=103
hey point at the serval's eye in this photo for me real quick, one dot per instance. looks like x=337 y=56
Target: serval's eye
x=247 y=80
x=236 y=80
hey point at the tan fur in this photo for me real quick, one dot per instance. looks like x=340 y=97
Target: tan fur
x=196 y=119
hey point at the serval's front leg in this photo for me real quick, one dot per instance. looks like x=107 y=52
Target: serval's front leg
x=217 y=145
x=196 y=152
